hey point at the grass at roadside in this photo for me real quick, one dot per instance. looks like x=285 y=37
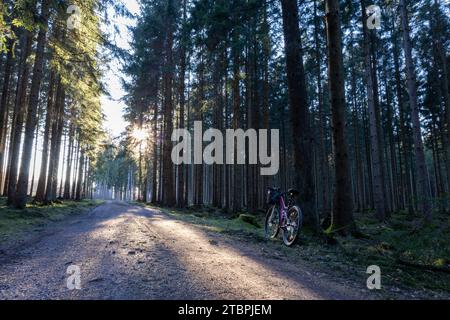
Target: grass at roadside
x=243 y=224
x=410 y=256
x=14 y=223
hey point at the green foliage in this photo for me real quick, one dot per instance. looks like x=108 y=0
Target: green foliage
x=76 y=56
x=4 y=29
x=15 y=16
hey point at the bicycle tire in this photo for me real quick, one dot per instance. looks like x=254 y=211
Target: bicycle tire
x=270 y=233
x=290 y=236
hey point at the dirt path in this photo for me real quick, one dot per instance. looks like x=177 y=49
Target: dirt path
x=130 y=252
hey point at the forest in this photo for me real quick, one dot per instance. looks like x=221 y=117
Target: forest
x=357 y=89
x=363 y=110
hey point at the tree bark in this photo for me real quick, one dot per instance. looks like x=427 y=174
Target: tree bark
x=19 y=117
x=299 y=111
x=237 y=169
x=70 y=154
x=56 y=133
x=323 y=154
x=20 y=199
x=58 y=160
x=169 y=198
x=405 y=149
x=4 y=108
x=342 y=220
x=181 y=201
x=41 y=188
x=155 y=156
x=78 y=194
x=376 y=150
x=421 y=168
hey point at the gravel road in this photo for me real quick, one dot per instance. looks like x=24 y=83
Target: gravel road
x=130 y=252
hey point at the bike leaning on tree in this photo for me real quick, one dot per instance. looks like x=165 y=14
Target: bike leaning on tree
x=283 y=214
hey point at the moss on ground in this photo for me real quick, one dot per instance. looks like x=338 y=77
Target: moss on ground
x=15 y=222
x=215 y=220
x=410 y=255
x=407 y=252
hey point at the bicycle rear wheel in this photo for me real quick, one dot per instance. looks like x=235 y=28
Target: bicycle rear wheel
x=272 y=225
x=293 y=225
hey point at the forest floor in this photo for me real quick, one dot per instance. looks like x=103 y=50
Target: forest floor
x=16 y=225
x=125 y=251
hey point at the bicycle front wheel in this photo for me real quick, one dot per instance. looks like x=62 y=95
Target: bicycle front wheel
x=293 y=225
x=272 y=225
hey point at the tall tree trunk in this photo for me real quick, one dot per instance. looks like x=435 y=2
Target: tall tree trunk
x=19 y=117
x=356 y=128
x=58 y=159
x=78 y=194
x=299 y=112
x=155 y=156
x=182 y=101
x=20 y=199
x=70 y=154
x=421 y=168
x=42 y=183
x=216 y=198
x=168 y=180
x=36 y=138
x=375 y=139
x=342 y=220
x=379 y=124
x=145 y=189
x=394 y=185
x=227 y=169
x=188 y=179
x=4 y=108
x=237 y=169
x=55 y=147
x=76 y=162
x=252 y=115
x=63 y=163
x=405 y=150
x=323 y=165
x=441 y=61
x=266 y=79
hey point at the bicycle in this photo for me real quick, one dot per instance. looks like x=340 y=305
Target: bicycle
x=280 y=216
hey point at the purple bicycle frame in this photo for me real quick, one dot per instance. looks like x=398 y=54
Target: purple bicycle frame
x=283 y=210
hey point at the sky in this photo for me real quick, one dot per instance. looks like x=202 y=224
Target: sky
x=112 y=106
